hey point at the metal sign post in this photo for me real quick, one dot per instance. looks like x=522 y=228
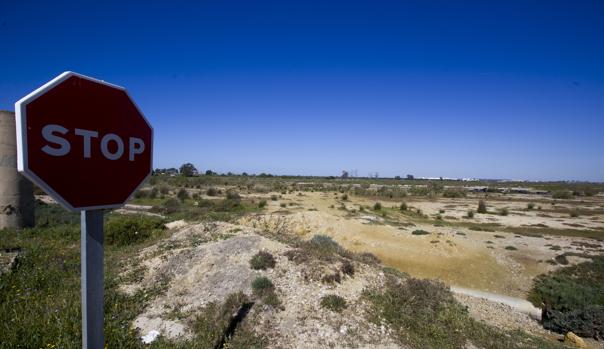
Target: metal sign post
x=92 y=279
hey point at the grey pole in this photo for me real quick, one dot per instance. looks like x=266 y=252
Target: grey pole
x=92 y=279
x=16 y=192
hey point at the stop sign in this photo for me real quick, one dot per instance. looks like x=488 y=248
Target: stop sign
x=84 y=141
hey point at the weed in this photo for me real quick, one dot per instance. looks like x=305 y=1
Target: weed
x=419 y=232
x=347 y=268
x=377 y=206
x=403 y=206
x=482 y=207
x=233 y=195
x=334 y=303
x=261 y=286
x=470 y=214
x=262 y=203
x=572 y=298
x=395 y=272
x=511 y=248
x=131 y=229
x=182 y=195
x=262 y=261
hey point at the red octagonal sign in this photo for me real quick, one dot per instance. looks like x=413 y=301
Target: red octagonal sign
x=84 y=141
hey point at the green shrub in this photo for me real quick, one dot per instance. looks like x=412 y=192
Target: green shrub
x=420 y=232
x=511 y=248
x=454 y=193
x=377 y=206
x=182 y=195
x=171 y=205
x=347 y=268
x=395 y=272
x=470 y=214
x=262 y=261
x=368 y=258
x=261 y=286
x=233 y=195
x=262 y=203
x=424 y=314
x=403 y=206
x=153 y=193
x=482 y=207
x=561 y=194
x=164 y=189
x=274 y=197
x=345 y=197
x=530 y=206
x=573 y=298
x=131 y=229
x=334 y=303
x=283 y=204
x=212 y=192
x=503 y=211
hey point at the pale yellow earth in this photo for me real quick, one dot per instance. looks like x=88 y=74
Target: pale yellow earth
x=454 y=254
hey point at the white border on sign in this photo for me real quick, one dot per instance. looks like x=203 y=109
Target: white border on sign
x=21 y=130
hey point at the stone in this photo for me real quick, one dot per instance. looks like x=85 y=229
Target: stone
x=573 y=339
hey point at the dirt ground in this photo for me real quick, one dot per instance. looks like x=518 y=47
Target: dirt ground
x=495 y=261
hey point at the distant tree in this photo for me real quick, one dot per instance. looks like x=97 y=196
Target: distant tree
x=398 y=178
x=188 y=170
x=409 y=176
x=344 y=174
x=244 y=174
x=210 y=173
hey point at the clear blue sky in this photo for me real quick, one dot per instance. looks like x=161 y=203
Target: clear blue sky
x=508 y=89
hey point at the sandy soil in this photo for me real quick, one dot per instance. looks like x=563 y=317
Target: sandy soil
x=457 y=255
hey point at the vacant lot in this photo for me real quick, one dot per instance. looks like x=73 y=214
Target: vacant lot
x=254 y=262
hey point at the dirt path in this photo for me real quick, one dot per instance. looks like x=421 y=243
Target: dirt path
x=518 y=304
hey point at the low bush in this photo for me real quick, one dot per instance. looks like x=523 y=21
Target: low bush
x=403 y=206
x=377 y=206
x=332 y=278
x=574 y=213
x=530 y=206
x=419 y=232
x=233 y=195
x=368 y=258
x=503 y=211
x=130 y=229
x=182 y=194
x=482 y=207
x=470 y=214
x=424 y=314
x=572 y=298
x=212 y=192
x=511 y=248
x=454 y=193
x=347 y=268
x=345 y=197
x=334 y=303
x=274 y=197
x=262 y=261
x=261 y=286
x=562 y=194
x=262 y=203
